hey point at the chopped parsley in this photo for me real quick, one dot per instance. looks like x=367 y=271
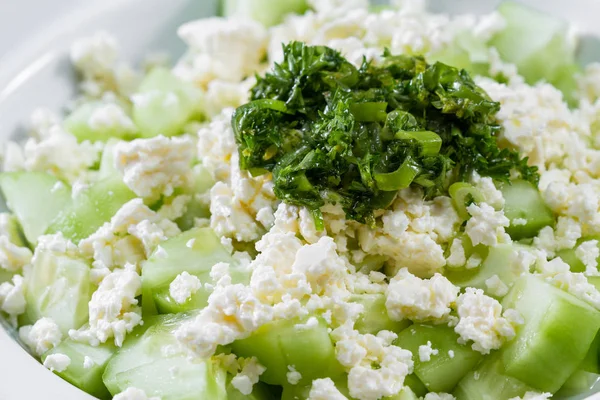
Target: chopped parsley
x=331 y=132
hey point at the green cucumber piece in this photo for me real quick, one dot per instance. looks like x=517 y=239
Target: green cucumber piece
x=489 y=381
x=87 y=379
x=579 y=383
x=570 y=255
x=523 y=203
x=375 y=317
x=165 y=104
x=197 y=207
x=153 y=360
x=36 y=198
x=260 y=391
x=442 y=372
x=78 y=124
x=107 y=165
x=280 y=344
x=58 y=287
x=555 y=338
x=266 y=12
x=538 y=44
x=159 y=271
x=91 y=209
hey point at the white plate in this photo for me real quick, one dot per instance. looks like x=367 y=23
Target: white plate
x=34 y=71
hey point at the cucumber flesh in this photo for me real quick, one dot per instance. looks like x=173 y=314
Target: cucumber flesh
x=267 y=12
x=197 y=207
x=36 y=198
x=375 y=317
x=86 y=377
x=591 y=362
x=114 y=122
x=164 y=104
x=260 y=391
x=58 y=287
x=443 y=371
x=489 y=381
x=153 y=360
x=526 y=210
x=580 y=382
x=570 y=255
x=158 y=272
x=107 y=165
x=279 y=344
x=91 y=209
x=555 y=338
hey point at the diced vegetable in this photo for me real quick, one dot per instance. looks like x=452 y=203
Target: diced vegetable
x=165 y=104
x=91 y=209
x=264 y=11
x=526 y=210
x=87 y=365
x=558 y=332
x=197 y=207
x=578 y=383
x=153 y=360
x=453 y=360
x=375 y=317
x=279 y=344
x=86 y=124
x=36 y=198
x=58 y=287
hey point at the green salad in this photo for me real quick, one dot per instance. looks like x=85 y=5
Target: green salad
x=319 y=200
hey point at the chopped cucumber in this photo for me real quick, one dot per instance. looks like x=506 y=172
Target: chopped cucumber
x=525 y=209
x=500 y=261
x=489 y=381
x=279 y=344
x=13 y=230
x=260 y=391
x=578 y=383
x=375 y=317
x=416 y=386
x=538 y=44
x=107 y=165
x=558 y=332
x=570 y=255
x=36 y=198
x=87 y=379
x=91 y=209
x=58 y=287
x=153 y=360
x=79 y=123
x=443 y=371
x=204 y=251
x=591 y=362
x=266 y=12
x=197 y=207
x=165 y=104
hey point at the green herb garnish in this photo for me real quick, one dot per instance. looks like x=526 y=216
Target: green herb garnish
x=330 y=132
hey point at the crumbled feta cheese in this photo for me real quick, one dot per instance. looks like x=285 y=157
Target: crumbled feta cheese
x=324 y=389
x=426 y=351
x=88 y=362
x=12 y=298
x=589 y=252
x=183 y=287
x=474 y=261
x=419 y=299
x=95 y=56
x=175 y=208
x=293 y=376
x=130 y=236
x=57 y=362
x=518 y=222
x=190 y=243
x=457 y=256
x=13 y=157
x=486 y=225
x=451 y=353
x=495 y=286
x=438 y=396
x=13 y=257
x=132 y=393
x=42 y=119
x=113 y=309
x=376 y=367
x=42 y=336
x=248 y=376
x=111 y=117
x=155 y=166
x=565 y=236
x=481 y=321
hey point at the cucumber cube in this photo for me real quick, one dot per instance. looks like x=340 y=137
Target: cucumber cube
x=80 y=123
x=165 y=104
x=443 y=371
x=91 y=209
x=489 y=381
x=260 y=391
x=375 y=316
x=280 y=344
x=36 y=198
x=194 y=251
x=86 y=377
x=525 y=209
x=58 y=287
x=197 y=207
x=107 y=162
x=579 y=383
x=267 y=12
x=558 y=332
x=153 y=360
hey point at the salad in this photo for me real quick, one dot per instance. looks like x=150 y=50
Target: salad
x=319 y=200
